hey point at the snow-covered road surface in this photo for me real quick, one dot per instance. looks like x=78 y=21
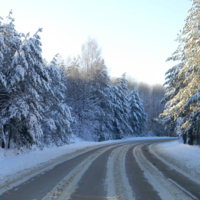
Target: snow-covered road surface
x=130 y=170
x=155 y=176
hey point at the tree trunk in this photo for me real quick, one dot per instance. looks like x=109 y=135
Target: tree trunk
x=3 y=144
x=184 y=138
x=10 y=137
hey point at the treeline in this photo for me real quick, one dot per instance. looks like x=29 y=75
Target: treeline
x=46 y=103
x=103 y=109
x=152 y=96
x=182 y=111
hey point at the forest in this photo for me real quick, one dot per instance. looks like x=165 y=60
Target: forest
x=46 y=103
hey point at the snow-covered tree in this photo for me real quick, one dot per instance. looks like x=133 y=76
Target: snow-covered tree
x=26 y=86
x=57 y=116
x=10 y=42
x=183 y=79
x=121 y=108
x=137 y=115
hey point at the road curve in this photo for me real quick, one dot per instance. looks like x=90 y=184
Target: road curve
x=118 y=171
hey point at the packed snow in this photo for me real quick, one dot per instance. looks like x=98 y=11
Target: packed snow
x=70 y=183
x=15 y=162
x=116 y=184
x=183 y=158
x=166 y=190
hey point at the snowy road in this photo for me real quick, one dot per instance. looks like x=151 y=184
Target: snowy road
x=122 y=171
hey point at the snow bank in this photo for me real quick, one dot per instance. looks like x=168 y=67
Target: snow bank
x=13 y=161
x=185 y=158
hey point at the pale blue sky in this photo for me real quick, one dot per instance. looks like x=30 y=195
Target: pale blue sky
x=136 y=36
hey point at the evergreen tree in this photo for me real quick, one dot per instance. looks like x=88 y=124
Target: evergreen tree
x=183 y=80
x=137 y=116
x=121 y=109
x=57 y=116
x=25 y=85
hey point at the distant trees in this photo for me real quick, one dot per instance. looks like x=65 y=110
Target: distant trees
x=44 y=104
x=87 y=89
x=137 y=115
x=181 y=112
x=121 y=108
x=152 y=96
x=102 y=110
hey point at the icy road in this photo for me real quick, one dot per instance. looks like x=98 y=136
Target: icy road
x=120 y=171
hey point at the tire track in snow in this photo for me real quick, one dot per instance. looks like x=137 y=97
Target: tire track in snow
x=23 y=176
x=153 y=150
x=116 y=183
x=175 y=174
x=166 y=189
x=141 y=187
x=67 y=186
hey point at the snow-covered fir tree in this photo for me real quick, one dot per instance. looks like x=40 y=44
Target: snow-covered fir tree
x=121 y=108
x=57 y=116
x=183 y=79
x=137 y=115
x=25 y=83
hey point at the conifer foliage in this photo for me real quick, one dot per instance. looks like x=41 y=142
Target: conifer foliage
x=24 y=84
x=181 y=112
x=102 y=111
x=44 y=104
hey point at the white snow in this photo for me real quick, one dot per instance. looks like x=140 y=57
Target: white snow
x=181 y=157
x=116 y=183
x=14 y=162
x=15 y=165
x=69 y=184
x=166 y=190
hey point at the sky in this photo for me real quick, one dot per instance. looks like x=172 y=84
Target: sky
x=136 y=36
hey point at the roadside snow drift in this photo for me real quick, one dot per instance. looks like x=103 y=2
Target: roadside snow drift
x=181 y=157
